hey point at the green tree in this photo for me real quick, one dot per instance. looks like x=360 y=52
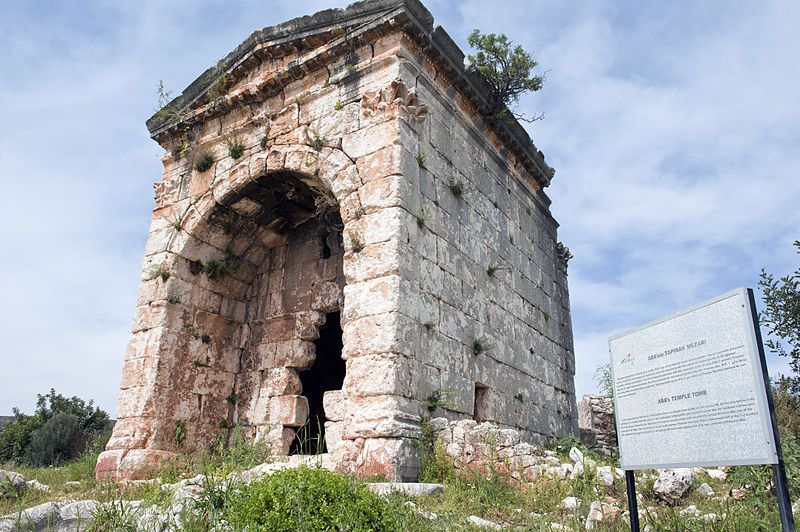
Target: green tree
x=508 y=69
x=26 y=437
x=59 y=440
x=781 y=317
x=17 y=435
x=90 y=417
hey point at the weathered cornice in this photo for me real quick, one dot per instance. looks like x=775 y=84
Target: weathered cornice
x=338 y=30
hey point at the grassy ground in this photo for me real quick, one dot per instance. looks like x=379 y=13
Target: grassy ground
x=493 y=496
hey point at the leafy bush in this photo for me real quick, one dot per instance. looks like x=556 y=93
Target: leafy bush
x=311 y=499
x=17 y=435
x=787 y=417
x=61 y=429
x=56 y=442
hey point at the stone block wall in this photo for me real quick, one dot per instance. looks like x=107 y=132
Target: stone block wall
x=598 y=429
x=483 y=287
x=362 y=183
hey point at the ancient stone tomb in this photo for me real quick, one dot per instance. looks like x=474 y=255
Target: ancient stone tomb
x=343 y=243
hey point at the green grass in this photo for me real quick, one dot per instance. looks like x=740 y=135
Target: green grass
x=315 y=499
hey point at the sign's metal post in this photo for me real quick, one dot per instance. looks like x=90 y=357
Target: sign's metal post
x=778 y=470
x=633 y=505
x=782 y=489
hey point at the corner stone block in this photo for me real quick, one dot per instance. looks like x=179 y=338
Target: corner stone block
x=333 y=403
x=395 y=459
x=381 y=374
x=370 y=335
x=280 y=439
x=288 y=410
x=371 y=139
x=371 y=297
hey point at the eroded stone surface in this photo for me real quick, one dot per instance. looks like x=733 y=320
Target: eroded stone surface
x=596 y=423
x=351 y=176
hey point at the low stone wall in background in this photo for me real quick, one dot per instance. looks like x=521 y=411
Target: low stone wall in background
x=596 y=423
x=485 y=447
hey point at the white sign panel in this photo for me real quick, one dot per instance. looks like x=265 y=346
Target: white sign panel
x=689 y=389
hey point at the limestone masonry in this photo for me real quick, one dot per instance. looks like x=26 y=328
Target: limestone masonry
x=343 y=243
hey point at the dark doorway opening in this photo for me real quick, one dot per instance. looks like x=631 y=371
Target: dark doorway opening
x=325 y=375
x=480 y=407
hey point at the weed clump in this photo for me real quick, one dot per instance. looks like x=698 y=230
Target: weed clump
x=217 y=269
x=158 y=271
x=311 y=499
x=456 y=188
x=205 y=162
x=235 y=146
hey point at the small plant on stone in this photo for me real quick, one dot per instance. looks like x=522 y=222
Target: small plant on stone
x=180 y=432
x=217 y=269
x=546 y=315
x=233 y=398
x=235 y=146
x=440 y=397
x=315 y=139
x=429 y=325
x=158 y=271
x=358 y=214
x=528 y=210
x=478 y=347
x=520 y=397
x=205 y=162
x=456 y=188
x=173 y=299
x=511 y=239
x=492 y=270
x=201 y=364
x=421 y=221
x=205 y=338
x=219 y=87
x=264 y=142
x=224 y=425
x=421 y=160
x=356 y=243
x=339 y=105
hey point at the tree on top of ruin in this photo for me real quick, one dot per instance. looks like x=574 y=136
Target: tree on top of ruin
x=508 y=68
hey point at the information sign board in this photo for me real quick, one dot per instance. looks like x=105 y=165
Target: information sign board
x=689 y=389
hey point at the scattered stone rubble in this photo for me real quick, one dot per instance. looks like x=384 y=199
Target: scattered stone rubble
x=469 y=444
x=12 y=482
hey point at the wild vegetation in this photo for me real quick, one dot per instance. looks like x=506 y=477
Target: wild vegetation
x=60 y=430
x=508 y=69
x=781 y=318
x=311 y=498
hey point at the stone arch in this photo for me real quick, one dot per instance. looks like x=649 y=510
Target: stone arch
x=210 y=359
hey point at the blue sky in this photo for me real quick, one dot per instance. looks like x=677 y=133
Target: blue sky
x=673 y=127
